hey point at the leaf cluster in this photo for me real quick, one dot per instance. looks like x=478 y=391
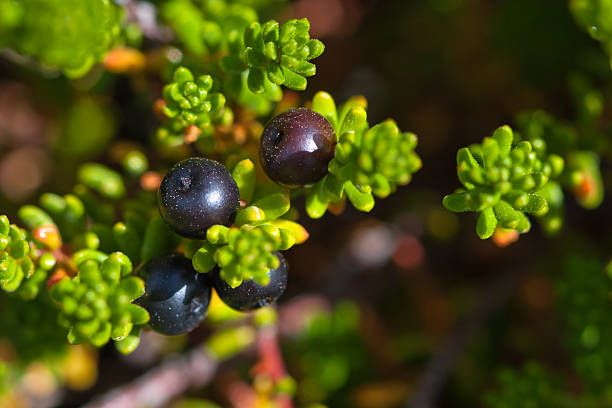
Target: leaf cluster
x=368 y=161
x=502 y=179
x=246 y=61
x=23 y=267
x=96 y=304
x=71 y=35
x=192 y=106
x=274 y=55
x=92 y=290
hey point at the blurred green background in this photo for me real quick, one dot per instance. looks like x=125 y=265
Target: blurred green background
x=424 y=310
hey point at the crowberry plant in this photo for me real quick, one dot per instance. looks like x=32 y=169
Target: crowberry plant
x=184 y=225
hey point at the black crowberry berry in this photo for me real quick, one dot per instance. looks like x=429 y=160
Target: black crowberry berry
x=196 y=194
x=296 y=147
x=176 y=295
x=250 y=295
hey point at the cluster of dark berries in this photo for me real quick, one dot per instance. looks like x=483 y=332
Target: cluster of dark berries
x=198 y=193
x=177 y=296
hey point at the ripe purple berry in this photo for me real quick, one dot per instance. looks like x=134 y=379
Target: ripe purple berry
x=176 y=295
x=196 y=194
x=296 y=147
x=250 y=295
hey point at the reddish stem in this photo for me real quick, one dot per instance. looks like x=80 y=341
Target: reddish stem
x=270 y=357
x=271 y=361
x=242 y=395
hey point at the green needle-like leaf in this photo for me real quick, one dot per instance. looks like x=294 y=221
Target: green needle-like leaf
x=244 y=175
x=102 y=179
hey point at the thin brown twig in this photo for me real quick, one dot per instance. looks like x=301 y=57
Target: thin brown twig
x=173 y=377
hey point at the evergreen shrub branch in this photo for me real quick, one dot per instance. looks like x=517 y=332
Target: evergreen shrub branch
x=502 y=178
x=368 y=162
x=75 y=268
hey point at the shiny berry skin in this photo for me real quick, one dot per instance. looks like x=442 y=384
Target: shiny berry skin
x=176 y=295
x=296 y=147
x=195 y=194
x=250 y=295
